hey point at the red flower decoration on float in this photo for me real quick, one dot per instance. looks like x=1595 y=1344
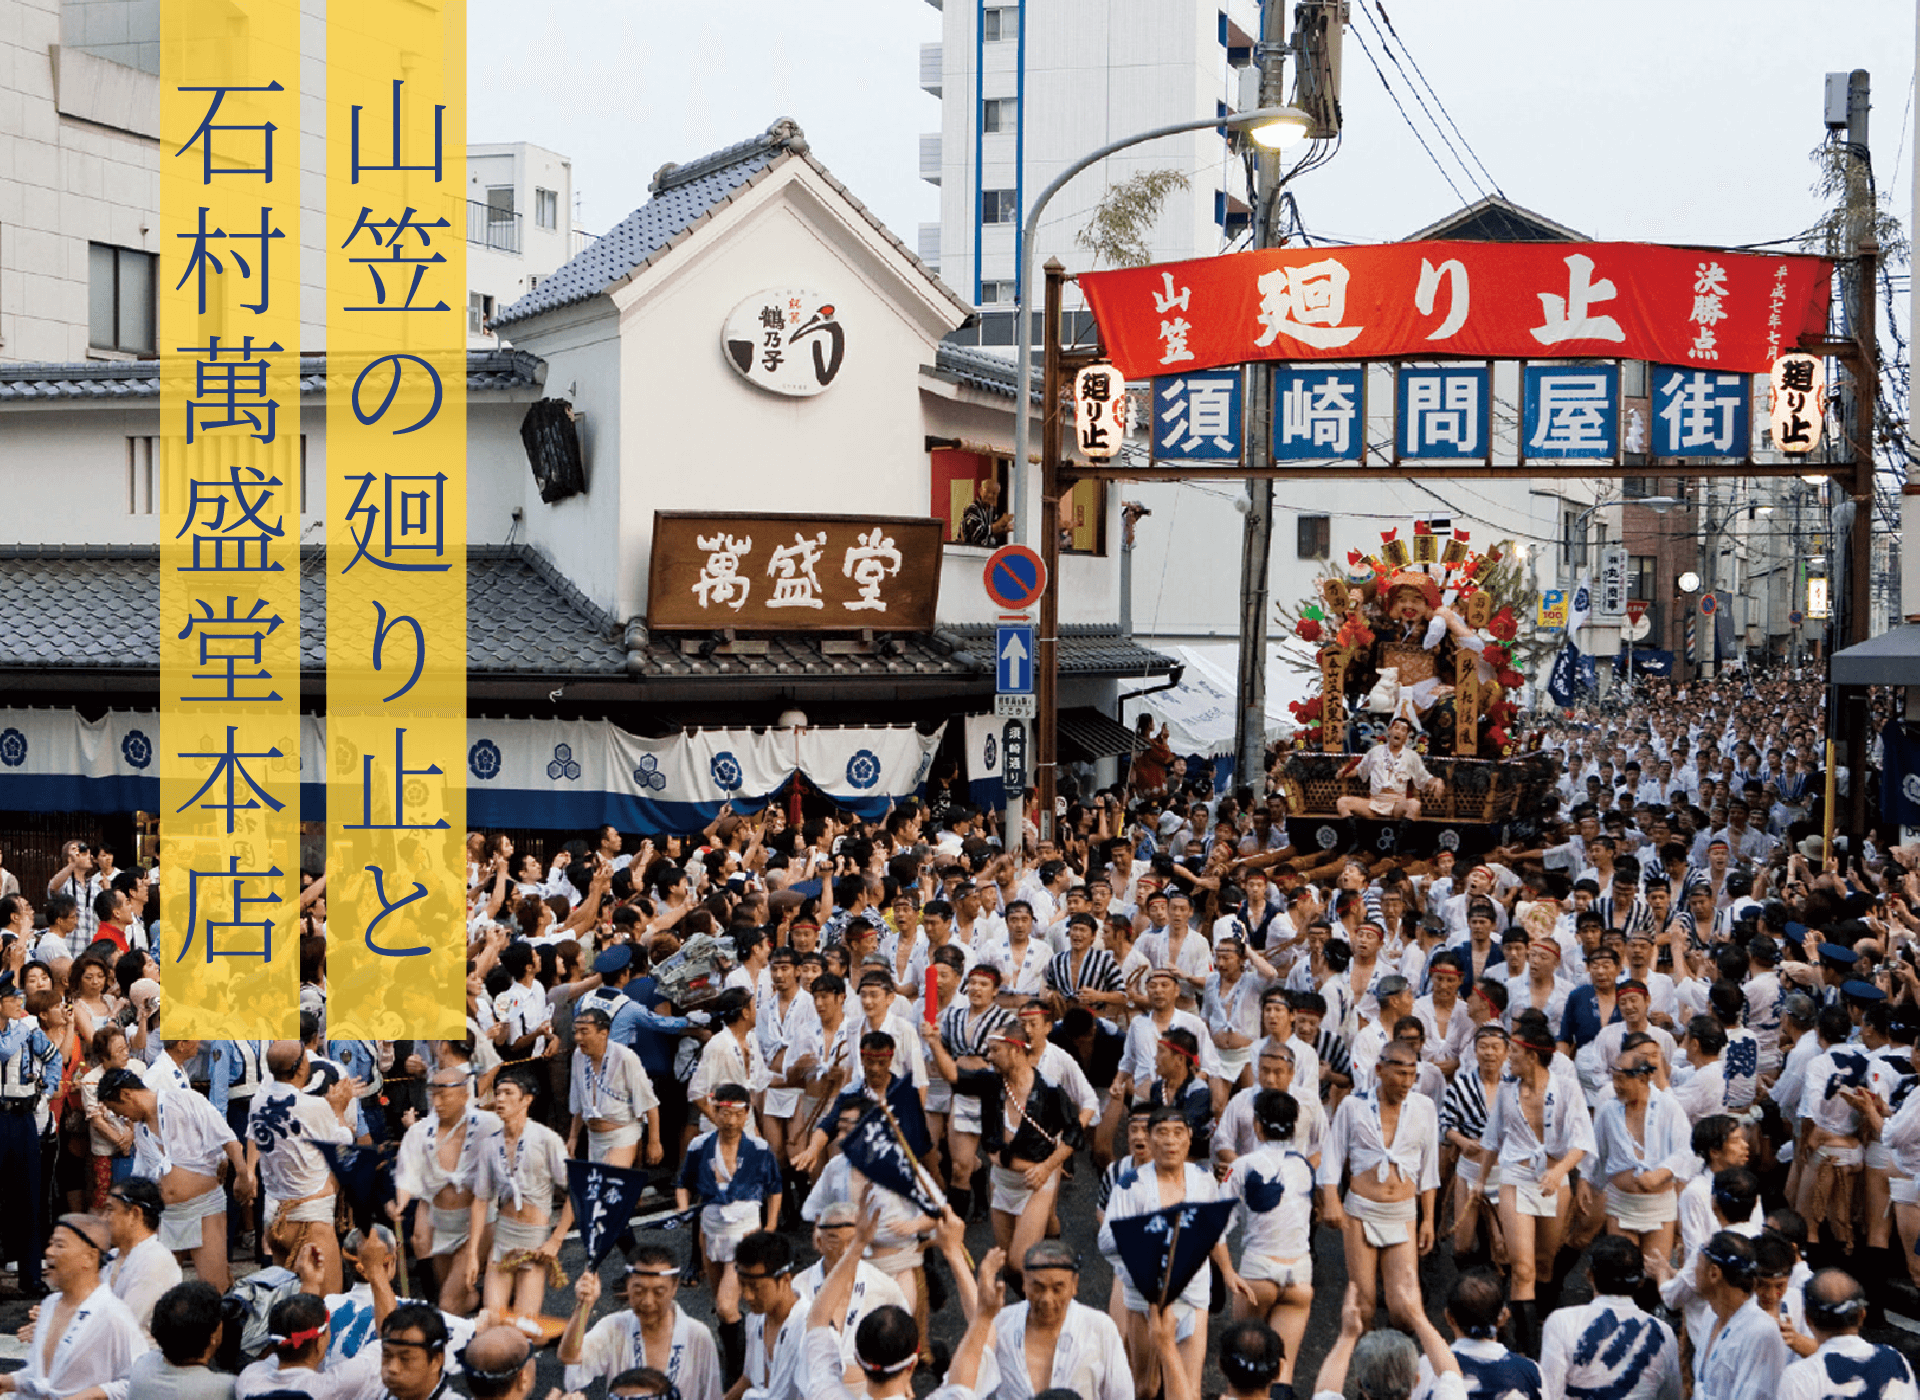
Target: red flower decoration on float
x=1308 y=630
x=1512 y=680
x=1503 y=625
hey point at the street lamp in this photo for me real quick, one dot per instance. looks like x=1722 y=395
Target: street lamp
x=1285 y=129
x=1274 y=128
x=1271 y=127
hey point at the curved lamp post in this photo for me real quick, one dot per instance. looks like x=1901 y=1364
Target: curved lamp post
x=1274 y=128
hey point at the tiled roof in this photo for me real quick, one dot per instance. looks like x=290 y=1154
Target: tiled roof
x=487 y=371
x=522 y=618
x=1086 y=649
x=1497 y=219
x=684 y=197
x=984 y=370
x=661 y=657
x=1087 y=735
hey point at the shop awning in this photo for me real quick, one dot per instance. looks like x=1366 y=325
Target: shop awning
x=1199 y=712
x=1892 y=658
x=1087 y=735
x=542 y=773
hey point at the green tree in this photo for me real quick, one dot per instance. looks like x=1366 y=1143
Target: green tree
x=1847 y=194
x=1117 y=233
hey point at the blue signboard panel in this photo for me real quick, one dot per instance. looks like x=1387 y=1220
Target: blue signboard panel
x=1443 y=411
x=1701 y=412
x=1319 y=414
x=1196 y=417
x=1570 y=412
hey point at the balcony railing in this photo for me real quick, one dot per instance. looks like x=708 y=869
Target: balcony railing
x=493 y=228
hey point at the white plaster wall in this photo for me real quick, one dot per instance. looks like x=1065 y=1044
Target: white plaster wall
x=63 y=472
x=705 y=439
x=581 y=347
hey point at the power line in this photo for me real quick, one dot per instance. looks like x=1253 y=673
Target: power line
x=1388 y=21
x=1416 y=93
x=1905 y=117
x=1395 y=98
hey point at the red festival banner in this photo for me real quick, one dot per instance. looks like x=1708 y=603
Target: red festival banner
x=1735 y=312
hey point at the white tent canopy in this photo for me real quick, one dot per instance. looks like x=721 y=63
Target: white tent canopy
x=1199 y=712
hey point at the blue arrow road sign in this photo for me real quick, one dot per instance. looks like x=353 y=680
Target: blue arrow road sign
x=1013 y=659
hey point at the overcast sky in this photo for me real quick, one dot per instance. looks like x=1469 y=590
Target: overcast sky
x=1684 y=121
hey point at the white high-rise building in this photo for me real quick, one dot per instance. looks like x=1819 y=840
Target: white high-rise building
x=1027 y=89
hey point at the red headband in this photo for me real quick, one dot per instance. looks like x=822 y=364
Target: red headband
x=1180 y=1049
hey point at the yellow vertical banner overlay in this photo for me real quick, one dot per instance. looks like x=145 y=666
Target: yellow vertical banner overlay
x=396 y=518
x=229 y=339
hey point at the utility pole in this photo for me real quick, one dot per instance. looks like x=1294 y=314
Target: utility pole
x=1709 y=563
x=1250 y=730
x=1863 y=368
x=1909 y=598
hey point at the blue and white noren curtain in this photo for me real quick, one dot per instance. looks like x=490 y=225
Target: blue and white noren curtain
x=554 y=774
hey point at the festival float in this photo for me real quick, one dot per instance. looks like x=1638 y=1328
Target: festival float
x=1430 y=630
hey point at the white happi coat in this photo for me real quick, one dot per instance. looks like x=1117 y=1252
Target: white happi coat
x=1608 y=1350
x=614 y=1345
x=1088 y=1359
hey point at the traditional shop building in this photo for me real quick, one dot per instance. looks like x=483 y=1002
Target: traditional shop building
x=715 y=488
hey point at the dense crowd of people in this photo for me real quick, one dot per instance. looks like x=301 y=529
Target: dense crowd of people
x=1664 y=1053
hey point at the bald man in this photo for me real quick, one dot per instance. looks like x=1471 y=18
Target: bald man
x=499 y=1364
x=84 y=1336
x=1846 y=1364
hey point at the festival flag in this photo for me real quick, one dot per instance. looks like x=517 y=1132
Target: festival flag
x=603 y=1200
x=1580 y=605
x=875 y=1151
x=1163 y=1249
x=1563 y=682
x=365 y=1175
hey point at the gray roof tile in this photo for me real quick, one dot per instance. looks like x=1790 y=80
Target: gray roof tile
x=488 y=371
x=684 y=196
x=799 y=656
x=1086 y=649
x=985 y=370
x=522 y=618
